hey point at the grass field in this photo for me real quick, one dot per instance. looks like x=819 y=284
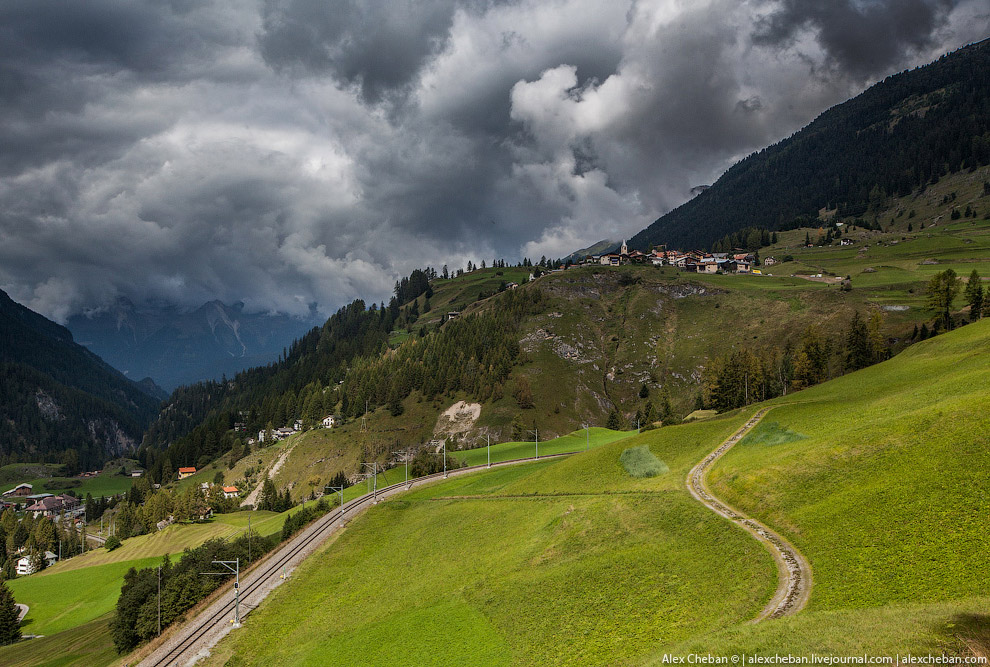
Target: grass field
x=88 y=645
x=63 y=600
x=587 y=566
x=891 y=478
x=572 y=442
x=879 y=477
x=104 y=484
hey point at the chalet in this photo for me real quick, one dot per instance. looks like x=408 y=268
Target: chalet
x=53 y=505
x=454 y=313
x=329 y=421
x=20 y=490
x=297 y=425
x=25 y=565
x=230 y=492
x=284 y=432
x=610 y=259
x=846 y=242
x=637 y=257
x=511 y=285
x=769 y=261
x=137 y=472
x=186 y=472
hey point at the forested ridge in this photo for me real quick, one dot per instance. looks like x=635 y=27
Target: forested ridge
x=900 y=135
x=346 y=366
x=58 y=401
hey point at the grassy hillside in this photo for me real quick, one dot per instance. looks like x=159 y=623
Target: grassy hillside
x=615 y=572
x=67 y=599
x=87 y=645
x=879 y=477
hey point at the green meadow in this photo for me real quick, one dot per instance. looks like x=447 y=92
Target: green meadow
x=567 y=561
x=878 y=477
x=63 y=600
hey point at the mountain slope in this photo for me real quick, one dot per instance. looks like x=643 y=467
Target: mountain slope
x=901 y=134
x=57 y=399
x=880 y=476
x=175 y=347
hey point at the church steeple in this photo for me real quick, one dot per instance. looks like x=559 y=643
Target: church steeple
x=624 y=250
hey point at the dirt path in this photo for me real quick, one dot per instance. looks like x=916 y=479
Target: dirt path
x=793 y=569
x=252 y=498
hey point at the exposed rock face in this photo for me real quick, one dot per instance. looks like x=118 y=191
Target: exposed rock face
x=457 y=419
x=113 y=438
x=48 y=407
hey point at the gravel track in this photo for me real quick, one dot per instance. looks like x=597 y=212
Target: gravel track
x=793 y=569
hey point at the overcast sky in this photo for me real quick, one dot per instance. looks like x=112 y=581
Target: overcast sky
x=282 y=152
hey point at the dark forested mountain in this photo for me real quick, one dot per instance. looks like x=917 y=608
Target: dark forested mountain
x=899 y=136
x=58 y=400
x=175 y=347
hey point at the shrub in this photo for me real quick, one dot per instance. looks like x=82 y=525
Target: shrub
x=112 y=543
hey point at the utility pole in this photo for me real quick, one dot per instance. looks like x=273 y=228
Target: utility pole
x=536 y=434
x=340 y=490
x=405 y=457
x=374 y=467
x=488 y=437
x=249 y=538
x=445 y=458
x=235 y=567
x=159 y=599
x=587 y=438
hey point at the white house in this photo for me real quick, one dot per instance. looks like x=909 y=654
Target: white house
x=25 y=566
x=329 y=421
x=230 y=492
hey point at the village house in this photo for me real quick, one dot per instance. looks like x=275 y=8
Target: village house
x=25 y=565
x=137 y=472
x=846 y=242
x=769 y=261
x=53 y=505
x=297 y=425
x=20 y=490
x=329 y=421
x=284 y=432
x=186 y=472
x=230 y=492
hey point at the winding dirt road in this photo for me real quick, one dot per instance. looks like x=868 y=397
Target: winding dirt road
x=793 y=569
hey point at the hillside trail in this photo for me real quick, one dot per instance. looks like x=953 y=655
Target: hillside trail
x=793 y=569
x=252 y=498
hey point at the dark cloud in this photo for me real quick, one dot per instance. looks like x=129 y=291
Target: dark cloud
x=862 y=38
x=378 y=45
x=289 y=152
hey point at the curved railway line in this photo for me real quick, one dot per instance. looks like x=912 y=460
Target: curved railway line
x=193 y=639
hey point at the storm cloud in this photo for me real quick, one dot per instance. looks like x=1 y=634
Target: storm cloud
x=290 y=151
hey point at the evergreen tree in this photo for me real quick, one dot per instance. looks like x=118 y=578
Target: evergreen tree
x=614 y=421
x=10 y=629
x=974 y=295
x=857 y=344
x=943 y=288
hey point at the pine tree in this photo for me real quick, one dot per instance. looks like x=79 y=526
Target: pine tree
x=857 y=344
x=974 y=295
x=942 y=291
x=614 y=421
x=10 y=629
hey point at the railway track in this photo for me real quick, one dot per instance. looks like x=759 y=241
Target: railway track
x=194 y=639
x=794 y=571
